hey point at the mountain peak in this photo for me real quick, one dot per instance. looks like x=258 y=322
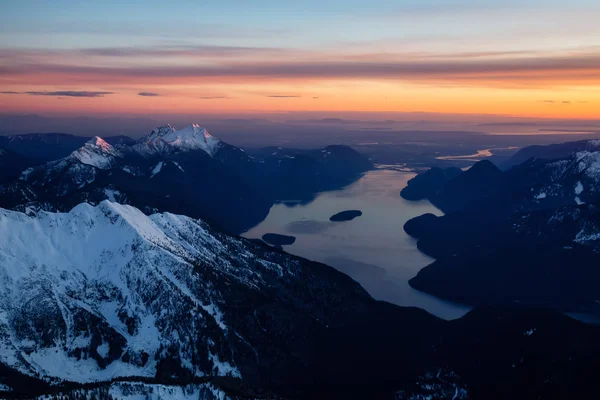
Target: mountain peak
x=484 y=166
x=98 y=141
x=166 y=139
x=593 y=145
x=97 y=153
x=160 y=132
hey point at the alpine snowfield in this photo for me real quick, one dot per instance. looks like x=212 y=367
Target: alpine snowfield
x=107 y=291
x=166 y=139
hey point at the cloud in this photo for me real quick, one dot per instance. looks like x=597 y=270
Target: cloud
x=556 y=101
x=540 y=70
x=277 y=96
x=10 y=92
x=148 y=94
x=70 y=93
x=177 y=51
x=484 y=54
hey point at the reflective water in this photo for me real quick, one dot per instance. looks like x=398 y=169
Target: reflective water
x=373 y=249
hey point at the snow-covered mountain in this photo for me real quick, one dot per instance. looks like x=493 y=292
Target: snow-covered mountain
x=575 y=177
x=552 y=151
x=106 y=291
x=166 y=140
x=185 y=171
x=97 y=153
x=62 y=177
x=58 y=179
x=538 y=183
x=42 y=147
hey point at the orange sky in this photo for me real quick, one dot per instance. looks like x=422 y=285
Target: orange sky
x=527 y=58
x=322 y=95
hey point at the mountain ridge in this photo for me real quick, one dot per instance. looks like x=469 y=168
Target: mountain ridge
x=528 y=235
x=184 y=171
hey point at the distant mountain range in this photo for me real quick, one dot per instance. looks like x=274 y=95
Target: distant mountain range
x=529 y=235
x=107 y=301
x=551 y=151
x=51 y=146
x=186 y=171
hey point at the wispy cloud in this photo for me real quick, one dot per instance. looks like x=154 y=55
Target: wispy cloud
x=483 y=72
x=70 y=93
x=482 y=69
x=148 y=94
x=559 y=101
x=179 y=51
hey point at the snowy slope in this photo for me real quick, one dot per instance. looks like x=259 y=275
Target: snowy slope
x=79 y=169
x=107 y=281
x=571 y=180
x=166 y=139
x=96 y=152
x=100 y=264
x=106 y=291
x=552 y=151
x=60 y=177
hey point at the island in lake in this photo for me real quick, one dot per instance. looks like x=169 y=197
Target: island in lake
x=348 y=215
x=278 y=240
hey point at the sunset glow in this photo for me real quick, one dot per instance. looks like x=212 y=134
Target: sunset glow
x=528 y=58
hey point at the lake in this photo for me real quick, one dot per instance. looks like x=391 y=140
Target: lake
x=373 y=248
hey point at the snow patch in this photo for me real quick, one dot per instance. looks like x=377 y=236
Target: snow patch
x=224 y=368
x=157 y=169
x=178 y=166
x=578 y=191
x=587 y=235
x=103 y=350
x=111 y=193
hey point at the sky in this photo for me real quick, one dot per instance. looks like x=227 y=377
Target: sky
x=527 y=58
